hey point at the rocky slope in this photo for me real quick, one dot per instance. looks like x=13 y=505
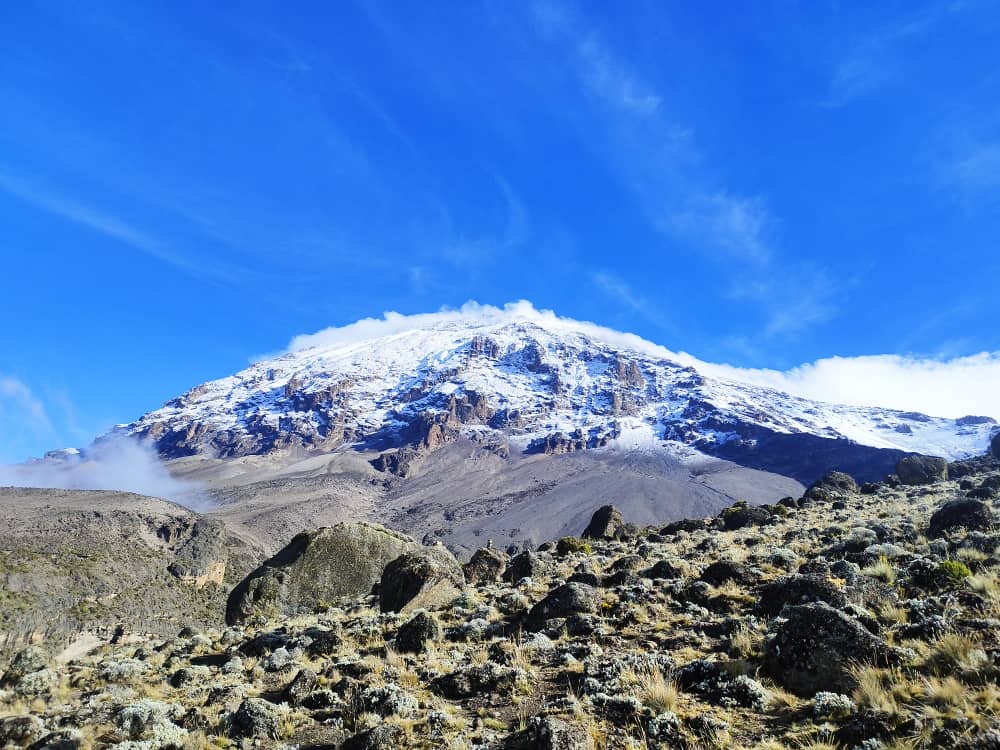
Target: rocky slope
x=72 y=561
x=850 y=617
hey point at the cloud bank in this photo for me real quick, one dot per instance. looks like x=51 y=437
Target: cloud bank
x=113 y=463
x=939 y=387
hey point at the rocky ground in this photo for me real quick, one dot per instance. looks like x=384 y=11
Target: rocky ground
x=852 y=617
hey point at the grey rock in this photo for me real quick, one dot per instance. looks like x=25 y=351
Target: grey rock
x=257 y=717
x=606 y=523
x=414 y=635
x=915 y=470
x=485 y=566
x=967 y=513
x=568 y=599
x=548 y=733
x=426 y=578
x=317 y=567
x=814 y=646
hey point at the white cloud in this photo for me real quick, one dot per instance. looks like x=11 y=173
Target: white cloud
x=939 y=387
x=112 y=463
x=733 y=224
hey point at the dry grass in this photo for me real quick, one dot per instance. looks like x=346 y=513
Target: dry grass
x=657 y=691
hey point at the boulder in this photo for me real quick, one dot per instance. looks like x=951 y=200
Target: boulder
x=915 y=470
x=831 y=485
x=606 y=523
x=423 y=579
x=800 y=589
x=26 y=661
x=995 y=446
x=814 y=647
x=568 y=599
x=723 y=571
x=966 y=512
x=20 y=730
x=527 y=564
x=549 y=733
x=201 y=559
x=485 y=566
x=414 y=635
x=741 y=515
x=382 y=737
x=316 y=568
x=257 y=717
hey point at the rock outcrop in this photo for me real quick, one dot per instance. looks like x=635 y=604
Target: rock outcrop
x=606 y=523
x=316 y=568
x=915 y=470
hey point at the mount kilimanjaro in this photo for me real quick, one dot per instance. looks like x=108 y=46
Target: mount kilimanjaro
x=511 y=424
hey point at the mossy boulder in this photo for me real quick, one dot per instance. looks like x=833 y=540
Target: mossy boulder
x=316 y=568
x=425 y=578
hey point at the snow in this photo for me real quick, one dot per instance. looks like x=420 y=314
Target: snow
x=379 y=361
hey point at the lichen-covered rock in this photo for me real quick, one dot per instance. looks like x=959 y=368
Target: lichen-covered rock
x=151 y=721
x=832 y=485
x=967 y=513
x=485 y=566
x=566 y=600
x=606 y=523
x=549 y=733
x=315 y=568
x=25 y=661
x=715 y=684
x=20 y=730
x=914 y=470
x=527 y=564
x=257 y=717
x=800 y=589
x=382 y=737
x=423 y=579
x=415 y=634
x=477 y=680
x=741 y=515
x=814 y=647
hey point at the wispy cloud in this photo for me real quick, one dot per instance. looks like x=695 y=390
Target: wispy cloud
x=793 y=297
x=24 y=408
x=607 y=78
x=98 y=221
x=877 y=59
x=733 y=224
x=977 y=169
x=620 y=291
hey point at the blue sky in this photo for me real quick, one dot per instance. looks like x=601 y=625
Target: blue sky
x=184 y=187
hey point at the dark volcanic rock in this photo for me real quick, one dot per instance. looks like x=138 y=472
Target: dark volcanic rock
x=995 y=446
x=414 y=635
x=549 y=733
x=741 y=515
x=382 y=737
x=429 y=577
x=257 y=717
x=815 y=645
x=921 y=469
x=315 y=568
x=967 y=513
x=832 y=484
x=568 y=599
x=723 y=571
x=606 y=523
x=527 y=564
x=800 y=589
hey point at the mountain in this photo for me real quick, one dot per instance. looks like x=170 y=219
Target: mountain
x=511 y=424
x=530 y=383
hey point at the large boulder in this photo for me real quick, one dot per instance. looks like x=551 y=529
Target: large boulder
x=569 y=599
x=527 y=564
x=966 y=512
x=427 y=578
x=201 y=559
x=814 y=647
x=921 y=469
x=995 y=446
x=832 y=485
x=316 y=568
x=485 y=566
x=606 y=523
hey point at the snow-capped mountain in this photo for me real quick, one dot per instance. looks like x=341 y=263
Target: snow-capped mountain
x=521 y=380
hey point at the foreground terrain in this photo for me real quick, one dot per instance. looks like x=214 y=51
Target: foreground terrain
x=851 y=617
